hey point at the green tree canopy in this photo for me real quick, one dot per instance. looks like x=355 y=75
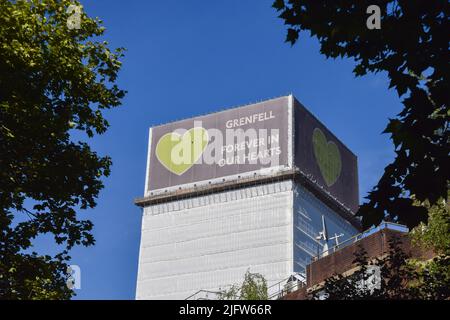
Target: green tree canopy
x=412 y=48
x=54 y=80
x=254 y=287
x=434 y=234
x=434 y=275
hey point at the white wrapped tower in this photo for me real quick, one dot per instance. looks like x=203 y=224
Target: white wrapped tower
x=242 y=189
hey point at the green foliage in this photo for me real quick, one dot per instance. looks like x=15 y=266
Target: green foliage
x=53 y=81
x=31 y=277
x=412 y=48
x=435 y=234
x=254 y=287
x=434 y=275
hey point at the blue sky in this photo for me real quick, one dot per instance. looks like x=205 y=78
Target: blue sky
x=186 y=58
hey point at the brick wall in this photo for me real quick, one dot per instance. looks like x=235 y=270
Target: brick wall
x=376 y=245
x=341 y=261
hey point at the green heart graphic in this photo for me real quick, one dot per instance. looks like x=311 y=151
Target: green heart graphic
x=178 y=153
x=328 y=157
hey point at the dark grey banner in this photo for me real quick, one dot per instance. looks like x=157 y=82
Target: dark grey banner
x=321 y=155
x=221 y=144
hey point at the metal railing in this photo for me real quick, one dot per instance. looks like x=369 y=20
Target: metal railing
x=276 y=291
x=287 y=285
x=359 y=236
x=204 y=295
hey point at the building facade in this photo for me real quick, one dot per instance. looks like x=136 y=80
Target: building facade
x=268 y=203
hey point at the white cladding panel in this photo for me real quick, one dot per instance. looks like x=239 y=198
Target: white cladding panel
x=209 y=242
